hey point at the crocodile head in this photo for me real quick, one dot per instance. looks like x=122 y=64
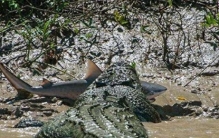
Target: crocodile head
x=120 y=73
x=121 y=80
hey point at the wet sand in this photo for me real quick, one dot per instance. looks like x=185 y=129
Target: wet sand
x=176 y=127
x=184 y=127
x=6 y=130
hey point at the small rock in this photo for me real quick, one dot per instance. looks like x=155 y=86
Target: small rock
x=168 y=77
x=25 y=108
x=39 y=114
x=44 y=103
x=54 y=100
x=59 y=103
x=148 y=75
x=13 y=117
x=195 y=103
x=194 y=91
x=17 y=112
x=29 y=122
x=210 y=73
x=3 y=117
x=47 y=113
x=28 y=113
x=3 y=111
x=199 y=111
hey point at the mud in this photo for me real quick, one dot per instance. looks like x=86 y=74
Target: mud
x=184 y=127
x=7 y=130
x=190 y=111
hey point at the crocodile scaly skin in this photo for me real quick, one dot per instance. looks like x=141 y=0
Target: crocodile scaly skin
x=113 y=106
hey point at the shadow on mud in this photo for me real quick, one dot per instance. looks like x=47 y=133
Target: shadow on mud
x=190 y=108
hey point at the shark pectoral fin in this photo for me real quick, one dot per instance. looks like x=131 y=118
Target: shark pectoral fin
x=46 y=83
x=93 y=71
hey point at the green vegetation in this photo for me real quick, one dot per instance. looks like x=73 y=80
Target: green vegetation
x=121 y=19
x=50 y=24
x=133 y=65
x=35 y=21
x=9 y=4
x=212 y=21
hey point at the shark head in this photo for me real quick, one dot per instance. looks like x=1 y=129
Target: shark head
x=152 y=90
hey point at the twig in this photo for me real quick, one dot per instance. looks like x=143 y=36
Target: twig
x=56 y=68
x=201 y=71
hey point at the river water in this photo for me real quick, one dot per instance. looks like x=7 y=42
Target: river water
x=184 y=127
x=6 y=130
x=176 y=127
x=181 y=127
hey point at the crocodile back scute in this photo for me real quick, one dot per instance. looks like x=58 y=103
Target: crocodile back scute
x=120 y=73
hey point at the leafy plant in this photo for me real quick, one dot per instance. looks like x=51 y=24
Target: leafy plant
x=133 y=65
x=88 y=23
x=45 y=32
x=12 y=4
x=120 y=18
x=211 y=20
x=170 y=2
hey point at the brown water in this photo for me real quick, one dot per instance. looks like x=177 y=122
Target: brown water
x=6 y=130
x=184 y=128
x=177 y=127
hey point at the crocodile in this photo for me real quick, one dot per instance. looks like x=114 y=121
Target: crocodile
x=112 y=106
x=71 y=89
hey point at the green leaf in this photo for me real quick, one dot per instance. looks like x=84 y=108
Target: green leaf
x=210 y=20
x=76 y=31
x=120 y=18
x=170 y=2
x=133 y=65
x=46 y=26
x=88 y=35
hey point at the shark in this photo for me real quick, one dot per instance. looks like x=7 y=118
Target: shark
x=71 y=89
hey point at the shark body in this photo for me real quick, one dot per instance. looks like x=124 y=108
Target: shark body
x=72 y=89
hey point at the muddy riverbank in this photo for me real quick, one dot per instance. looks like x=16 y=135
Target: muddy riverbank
x=170 y=45
x=187 y=111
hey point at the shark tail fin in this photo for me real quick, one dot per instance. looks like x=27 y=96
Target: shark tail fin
x=22 y=87
x=93 y=71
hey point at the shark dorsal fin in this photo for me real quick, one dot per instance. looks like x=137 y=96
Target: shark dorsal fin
x=93 y=71
x=46 y=83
